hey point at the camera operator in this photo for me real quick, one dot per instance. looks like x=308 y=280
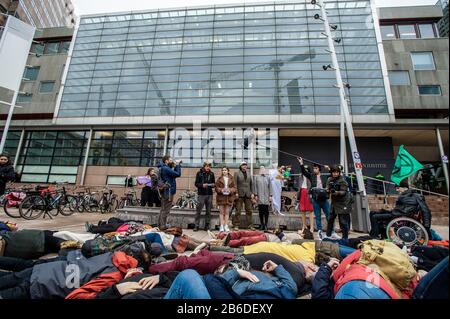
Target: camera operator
x=341 y=203
x=168 y=172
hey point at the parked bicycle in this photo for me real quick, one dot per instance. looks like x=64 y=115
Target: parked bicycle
x=11 y=200
x=86 y=201
x=108 y=202
x=188 y=199
x=129 y=199
x=48 y=202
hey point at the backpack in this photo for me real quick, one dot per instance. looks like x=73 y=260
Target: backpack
x=101 y=245
x=391 y=262
x=162 y=184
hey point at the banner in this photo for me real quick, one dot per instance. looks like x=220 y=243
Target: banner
x=405 y=166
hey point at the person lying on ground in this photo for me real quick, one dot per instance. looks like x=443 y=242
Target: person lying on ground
x=237 y=281
x=116 y=225
x=241 y=238
x=140 y=286
x=29 y=243
x=299 y=250
x=49 y=280
x=378 y=270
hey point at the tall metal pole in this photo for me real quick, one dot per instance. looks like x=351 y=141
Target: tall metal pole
x=252 y=150
x=342 y=144
x=19 y=148
x=442 y=154
x=86 y=157
x=344 y=105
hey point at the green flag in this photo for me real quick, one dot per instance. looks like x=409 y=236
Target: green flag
x=405 y=166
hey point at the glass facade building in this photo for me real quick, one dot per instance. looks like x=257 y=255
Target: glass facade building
x=225 y=60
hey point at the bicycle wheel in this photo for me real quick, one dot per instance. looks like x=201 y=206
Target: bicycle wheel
x=11 y=211
x=104 y=206
x=72 y=200
x=64 y=204
x=32 y=207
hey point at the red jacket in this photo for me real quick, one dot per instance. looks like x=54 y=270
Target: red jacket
x=349 y=270
x=90 y=290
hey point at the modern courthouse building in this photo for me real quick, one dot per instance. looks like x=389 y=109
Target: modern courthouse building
x=197 y=82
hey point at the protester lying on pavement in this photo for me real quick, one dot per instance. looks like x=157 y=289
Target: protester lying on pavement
x=237 y=281
x=300 y=250
x=49 y=280
x=29 y=243
x=378 y=270
x=241 y=238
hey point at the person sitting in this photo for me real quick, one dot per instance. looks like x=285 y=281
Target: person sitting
x=409 y=204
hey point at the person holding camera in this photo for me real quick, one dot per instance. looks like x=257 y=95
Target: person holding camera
x=341 y=203
x=319 y=195
x=169 y=171
x=205 y=181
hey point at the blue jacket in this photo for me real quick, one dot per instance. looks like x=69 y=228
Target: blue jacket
x=168 y=175
x=279 y=286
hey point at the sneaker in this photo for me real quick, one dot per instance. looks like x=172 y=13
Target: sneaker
x=321 y=234
x=87 y=227
x=226 y=228
x=221 y=229
x=335 y=236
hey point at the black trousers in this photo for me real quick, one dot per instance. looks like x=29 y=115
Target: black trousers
x=378 y=221
x=16 y=285
x=15 y=264
x=263 y=215
x=150 y=197
x=344 y=223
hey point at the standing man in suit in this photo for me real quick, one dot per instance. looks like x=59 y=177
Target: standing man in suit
x=244 y=186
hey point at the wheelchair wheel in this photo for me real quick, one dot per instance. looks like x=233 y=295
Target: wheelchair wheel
x=404 y=231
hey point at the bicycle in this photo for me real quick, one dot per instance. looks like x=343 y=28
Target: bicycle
x=47 y=203
x=87 y=201
x=188 y=199
x=129 y=199
x=11 y=200
x=108 y=202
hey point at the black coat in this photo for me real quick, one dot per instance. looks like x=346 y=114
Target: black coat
x=204 y=177
x=6 y=175
x=341 y=201
x=410 y=203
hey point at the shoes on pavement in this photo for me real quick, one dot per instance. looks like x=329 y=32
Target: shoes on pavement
x=226 y=228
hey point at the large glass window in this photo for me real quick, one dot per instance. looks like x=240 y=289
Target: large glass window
x=126 y=148
x=242 y=60
x=52 y=156
x=423 y=60
x=222 y=147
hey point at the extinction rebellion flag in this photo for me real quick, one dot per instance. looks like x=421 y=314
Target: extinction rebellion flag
x=405 y=166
